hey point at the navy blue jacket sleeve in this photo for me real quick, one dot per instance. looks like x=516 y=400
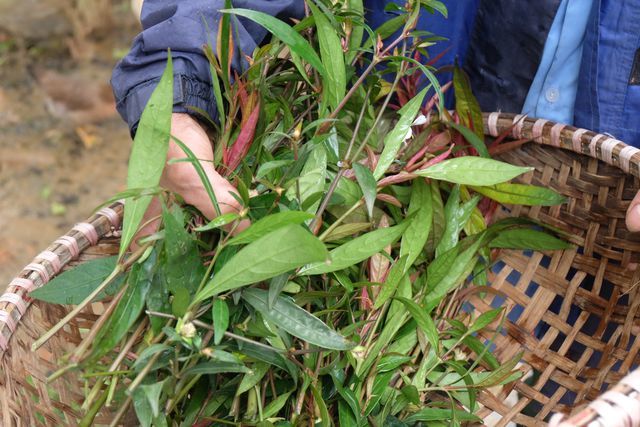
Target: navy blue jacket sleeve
x=185 y=26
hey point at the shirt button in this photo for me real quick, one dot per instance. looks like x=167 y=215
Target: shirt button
x=552 y=94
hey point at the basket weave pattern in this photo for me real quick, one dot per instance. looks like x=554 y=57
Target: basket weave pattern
x=573 y=313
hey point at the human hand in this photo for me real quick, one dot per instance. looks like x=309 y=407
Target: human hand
x=633 y=214
x=183 y=179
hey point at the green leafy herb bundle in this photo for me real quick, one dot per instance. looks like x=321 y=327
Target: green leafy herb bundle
x=370 y=207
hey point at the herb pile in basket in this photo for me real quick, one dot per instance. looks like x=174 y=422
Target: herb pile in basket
x=370 y=206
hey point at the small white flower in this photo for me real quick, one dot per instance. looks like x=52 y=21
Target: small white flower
x=408 y=135
x=420 y=120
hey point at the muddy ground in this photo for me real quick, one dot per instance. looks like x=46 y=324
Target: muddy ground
x=63 y=148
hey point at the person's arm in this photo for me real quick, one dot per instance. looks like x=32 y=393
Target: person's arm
x=185 y=26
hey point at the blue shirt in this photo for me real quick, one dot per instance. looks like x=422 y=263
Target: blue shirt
x=553 y=92
x=603 y=75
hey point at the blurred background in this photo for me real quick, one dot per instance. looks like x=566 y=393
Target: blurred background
x=63 y=148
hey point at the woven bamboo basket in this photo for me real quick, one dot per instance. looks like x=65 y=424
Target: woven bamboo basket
x=574 y=313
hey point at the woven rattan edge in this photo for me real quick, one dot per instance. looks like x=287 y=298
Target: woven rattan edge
x=600 y=146
x=15 y=301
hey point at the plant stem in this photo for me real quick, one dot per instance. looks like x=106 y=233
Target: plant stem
x=106 y=282
x=226 y=334
x=76 y=357
x=87 y=420
x=125 y=349
x=121 y=412
x=342 y=218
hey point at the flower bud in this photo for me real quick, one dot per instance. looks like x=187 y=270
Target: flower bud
x=187 y=330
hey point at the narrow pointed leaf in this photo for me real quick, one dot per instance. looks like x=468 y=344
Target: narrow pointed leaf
x=525 y=238
x=521 y=194
x=357 y=250
x=268 y=224
x=282 y=250
x=220 y=315
x=298 y=322
x=394 y=139
x=469 y=110
x=423 y=319
x=415 y=238
x=473 y=171
x=148 y=153
x=335 y=82
x=73 y=286
x=367 y=184
x=284 y=32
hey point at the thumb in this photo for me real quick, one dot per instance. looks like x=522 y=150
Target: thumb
x=633 y=214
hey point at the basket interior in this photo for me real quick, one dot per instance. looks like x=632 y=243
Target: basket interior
x=571 y=313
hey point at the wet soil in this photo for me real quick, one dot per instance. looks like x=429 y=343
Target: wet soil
x=63 y=148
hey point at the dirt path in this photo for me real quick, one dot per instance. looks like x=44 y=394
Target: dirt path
x=63 y=150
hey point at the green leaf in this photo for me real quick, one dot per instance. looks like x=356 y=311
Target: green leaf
x=276 y=286
x=394 y=139
x=276 y=405
x=346 y=417
x=312 y=179
x=252 y=378
x=284 y=32
x=346 y=230
x=148 y=353
x=267 y=167
x=180 y=302
x=395 y=275
x=335 y=79
x=268 y=224
x=219 y=221
x=440 y=414
x=367 y=184
x=423 y=319
x=148 y=153
x=142 y=407
x=469 y=110
x=152 y=393
x=280 y=251
x=456 y=217
x=526 y=238
x=484 y=320
x=73 y=286
x=472 y=138
x=184 y=265
x=295 y=320
x=391 y=362
x=357 y=250
x=357 y=31
x=458 y=270
x=220 y=315
x=158 y=299
x=212 y=368
x=521 y=194
x=128 y=309
x=417 y=233
x=471 y=170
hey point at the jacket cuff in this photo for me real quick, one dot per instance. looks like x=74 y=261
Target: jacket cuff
x=188 y=92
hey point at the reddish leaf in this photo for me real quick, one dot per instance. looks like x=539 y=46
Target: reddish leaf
x=387 y=198
x=439 y=158
x=507 y=146
x=243 y=143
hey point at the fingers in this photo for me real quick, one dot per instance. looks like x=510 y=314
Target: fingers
x=633 y=214
x=150 y=222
